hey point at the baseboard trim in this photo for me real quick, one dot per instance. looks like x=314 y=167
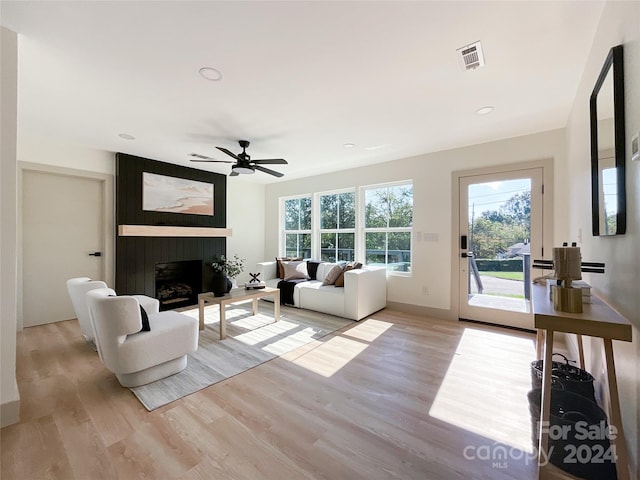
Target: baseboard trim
x=10 y=410
x=422 y=311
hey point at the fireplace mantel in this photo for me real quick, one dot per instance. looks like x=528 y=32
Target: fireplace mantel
x=169 y=231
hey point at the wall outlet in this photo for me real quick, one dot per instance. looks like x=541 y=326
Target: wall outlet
x=425 y=290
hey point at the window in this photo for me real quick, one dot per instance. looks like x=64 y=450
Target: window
x=337 y=226
x=388 y=221
x=297 y=227
x=376 y=231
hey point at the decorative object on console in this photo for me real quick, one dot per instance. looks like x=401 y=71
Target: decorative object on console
x=243 y=164
x=567 y=267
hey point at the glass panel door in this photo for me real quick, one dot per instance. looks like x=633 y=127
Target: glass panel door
x=500 y=228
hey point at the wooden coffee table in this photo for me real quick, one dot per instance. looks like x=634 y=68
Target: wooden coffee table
x=234 y=296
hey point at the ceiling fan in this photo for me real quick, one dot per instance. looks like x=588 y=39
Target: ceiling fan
x=243 y=163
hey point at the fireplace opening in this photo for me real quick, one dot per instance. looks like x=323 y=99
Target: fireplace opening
x=178 y=283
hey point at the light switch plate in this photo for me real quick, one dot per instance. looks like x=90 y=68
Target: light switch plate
x=635 y=147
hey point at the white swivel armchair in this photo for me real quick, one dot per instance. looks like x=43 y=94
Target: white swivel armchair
x=78 y=288
x=134 y=356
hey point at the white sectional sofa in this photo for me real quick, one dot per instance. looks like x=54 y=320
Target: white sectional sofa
x=364 y=291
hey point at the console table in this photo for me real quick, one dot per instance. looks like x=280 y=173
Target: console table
x=235 y=296
x=596 y=320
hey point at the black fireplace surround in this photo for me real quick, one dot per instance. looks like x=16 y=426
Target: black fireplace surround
x=138 y=258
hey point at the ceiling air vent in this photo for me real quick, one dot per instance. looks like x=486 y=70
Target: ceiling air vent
x=470 y=56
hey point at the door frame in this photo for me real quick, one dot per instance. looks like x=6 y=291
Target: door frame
x=108 y=201
x=547 y=216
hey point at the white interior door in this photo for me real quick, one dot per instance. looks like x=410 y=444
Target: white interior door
x=500 y=231
x=62 y=225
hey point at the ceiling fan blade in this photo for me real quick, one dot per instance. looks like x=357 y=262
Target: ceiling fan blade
x=212 y=161
x=269 y=171
x=228 y=152
x=203 y=158
x=270 y=161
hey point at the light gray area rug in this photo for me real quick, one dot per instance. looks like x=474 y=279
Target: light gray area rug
x=251 y=341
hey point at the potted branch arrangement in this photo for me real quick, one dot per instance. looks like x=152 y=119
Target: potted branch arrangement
x=225 y=269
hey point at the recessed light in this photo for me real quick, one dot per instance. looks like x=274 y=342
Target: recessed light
x=484 y=110
x=210 y=73
x=126 y=136
x=349 y=145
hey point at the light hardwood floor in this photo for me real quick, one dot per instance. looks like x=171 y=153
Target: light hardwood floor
x=393 y=396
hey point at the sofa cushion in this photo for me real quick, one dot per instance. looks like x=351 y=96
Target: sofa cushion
x=313 y=295
x=293 y=270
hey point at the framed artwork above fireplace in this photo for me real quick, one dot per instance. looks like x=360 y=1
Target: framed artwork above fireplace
x=161 y=193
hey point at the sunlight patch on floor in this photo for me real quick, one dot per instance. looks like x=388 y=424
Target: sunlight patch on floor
x=500 y=302
x=368 y=330
x=485 y=388
x=265 y=329
x=290 y=341
x=329 y=357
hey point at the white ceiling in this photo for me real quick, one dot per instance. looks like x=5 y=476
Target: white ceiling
x=300 y=79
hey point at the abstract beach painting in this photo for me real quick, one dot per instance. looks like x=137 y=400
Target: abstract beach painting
x=177 y=195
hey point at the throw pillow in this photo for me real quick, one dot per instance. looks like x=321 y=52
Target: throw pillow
x=293 y=270
x=332 y=275
x=145 y=320
x=279 y=261
x=340 y=280
x=350 y=266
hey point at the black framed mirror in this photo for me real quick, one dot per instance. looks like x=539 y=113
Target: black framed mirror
x=608 y=197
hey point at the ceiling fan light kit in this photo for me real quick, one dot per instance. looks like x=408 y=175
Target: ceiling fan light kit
x=242 y=170
x=243 y=164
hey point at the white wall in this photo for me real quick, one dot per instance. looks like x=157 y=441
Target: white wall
x=49 y=151
x=245 y=216
x=619 y=24
x=9 y=395
x=432 y=185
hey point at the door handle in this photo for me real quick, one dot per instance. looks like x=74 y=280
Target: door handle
x=95 y=254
